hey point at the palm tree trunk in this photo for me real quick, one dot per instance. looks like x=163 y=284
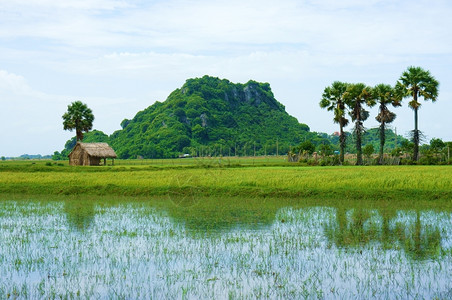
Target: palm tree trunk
x=382 y=142
x=359 y=153
x=342 y=143
x=416 y=135
x=358 y=125
x=79 y=135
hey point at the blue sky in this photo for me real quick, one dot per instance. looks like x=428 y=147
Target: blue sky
x=121 y=56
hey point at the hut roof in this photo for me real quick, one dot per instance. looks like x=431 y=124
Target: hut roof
x=98 y=150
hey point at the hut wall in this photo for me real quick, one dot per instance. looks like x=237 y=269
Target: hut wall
x=86 y=158
x=94 y=161
x=76 y=157
x=79 y=157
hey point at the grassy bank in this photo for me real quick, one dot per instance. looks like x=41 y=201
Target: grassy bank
x=371 y=182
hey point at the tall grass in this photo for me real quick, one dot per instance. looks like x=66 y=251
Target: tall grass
x=374 y=182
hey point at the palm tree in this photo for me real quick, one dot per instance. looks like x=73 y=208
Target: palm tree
x=416 y=82
x=332 y=100
x=356 y=96
x=384 y=94
x=78 y=117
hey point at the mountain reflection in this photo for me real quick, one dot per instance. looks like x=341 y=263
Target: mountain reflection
x=217 y=215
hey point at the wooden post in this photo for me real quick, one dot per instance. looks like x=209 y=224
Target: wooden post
x=105 y=161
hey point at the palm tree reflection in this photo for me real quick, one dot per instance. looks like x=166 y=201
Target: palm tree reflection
x=356 y=228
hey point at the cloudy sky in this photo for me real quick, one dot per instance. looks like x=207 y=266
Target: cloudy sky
x=120 y=56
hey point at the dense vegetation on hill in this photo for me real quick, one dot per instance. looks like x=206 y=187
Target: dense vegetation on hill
x=212 y=116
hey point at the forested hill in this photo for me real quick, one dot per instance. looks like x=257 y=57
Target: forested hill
x=211 y=112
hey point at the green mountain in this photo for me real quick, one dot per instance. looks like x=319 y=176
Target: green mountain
x=212 y=116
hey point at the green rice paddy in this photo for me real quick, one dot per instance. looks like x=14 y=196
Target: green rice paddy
x=212 y=229
x=68 y=247
x=216 y=177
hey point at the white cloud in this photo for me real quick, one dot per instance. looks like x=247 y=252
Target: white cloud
x=222 y=26
x=13 y=83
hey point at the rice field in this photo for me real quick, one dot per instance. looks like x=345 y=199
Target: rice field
x=221 y=248
x=423 y=183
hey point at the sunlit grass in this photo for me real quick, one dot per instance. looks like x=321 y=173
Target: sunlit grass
x=376 y=182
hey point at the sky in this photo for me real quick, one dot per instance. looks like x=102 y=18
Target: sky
x=120 y=56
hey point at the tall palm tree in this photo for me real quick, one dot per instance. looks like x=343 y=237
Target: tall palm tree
x=357 y=96
x=416 y=82
x=384 y=94
x=78 y=117
x=332 y=100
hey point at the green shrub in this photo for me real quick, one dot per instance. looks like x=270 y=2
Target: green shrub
x=407 y=161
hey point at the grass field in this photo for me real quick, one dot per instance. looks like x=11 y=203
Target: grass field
x=251 y=177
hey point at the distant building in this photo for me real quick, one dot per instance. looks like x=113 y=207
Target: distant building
x=90 y=154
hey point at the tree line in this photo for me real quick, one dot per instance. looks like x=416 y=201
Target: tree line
x=352 y=99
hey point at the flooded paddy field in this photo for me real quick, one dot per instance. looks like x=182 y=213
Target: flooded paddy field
x=188 y=248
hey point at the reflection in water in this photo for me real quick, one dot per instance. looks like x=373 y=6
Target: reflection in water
x=419 y=240
x=359 y=227
x=255 y=248
x=350 y=227
x=215 y=215
x=79 y=213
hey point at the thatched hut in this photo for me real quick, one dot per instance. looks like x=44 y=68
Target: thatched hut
x=90 y=154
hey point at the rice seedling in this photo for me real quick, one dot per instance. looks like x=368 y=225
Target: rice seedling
x=107 y=247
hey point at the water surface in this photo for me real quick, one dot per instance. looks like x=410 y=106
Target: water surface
x=222 y=248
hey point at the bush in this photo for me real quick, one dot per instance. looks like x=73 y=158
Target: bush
x=428 y=160
x=368 y=150
x=406 y=161
x=312 y=162
x=330 y=161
